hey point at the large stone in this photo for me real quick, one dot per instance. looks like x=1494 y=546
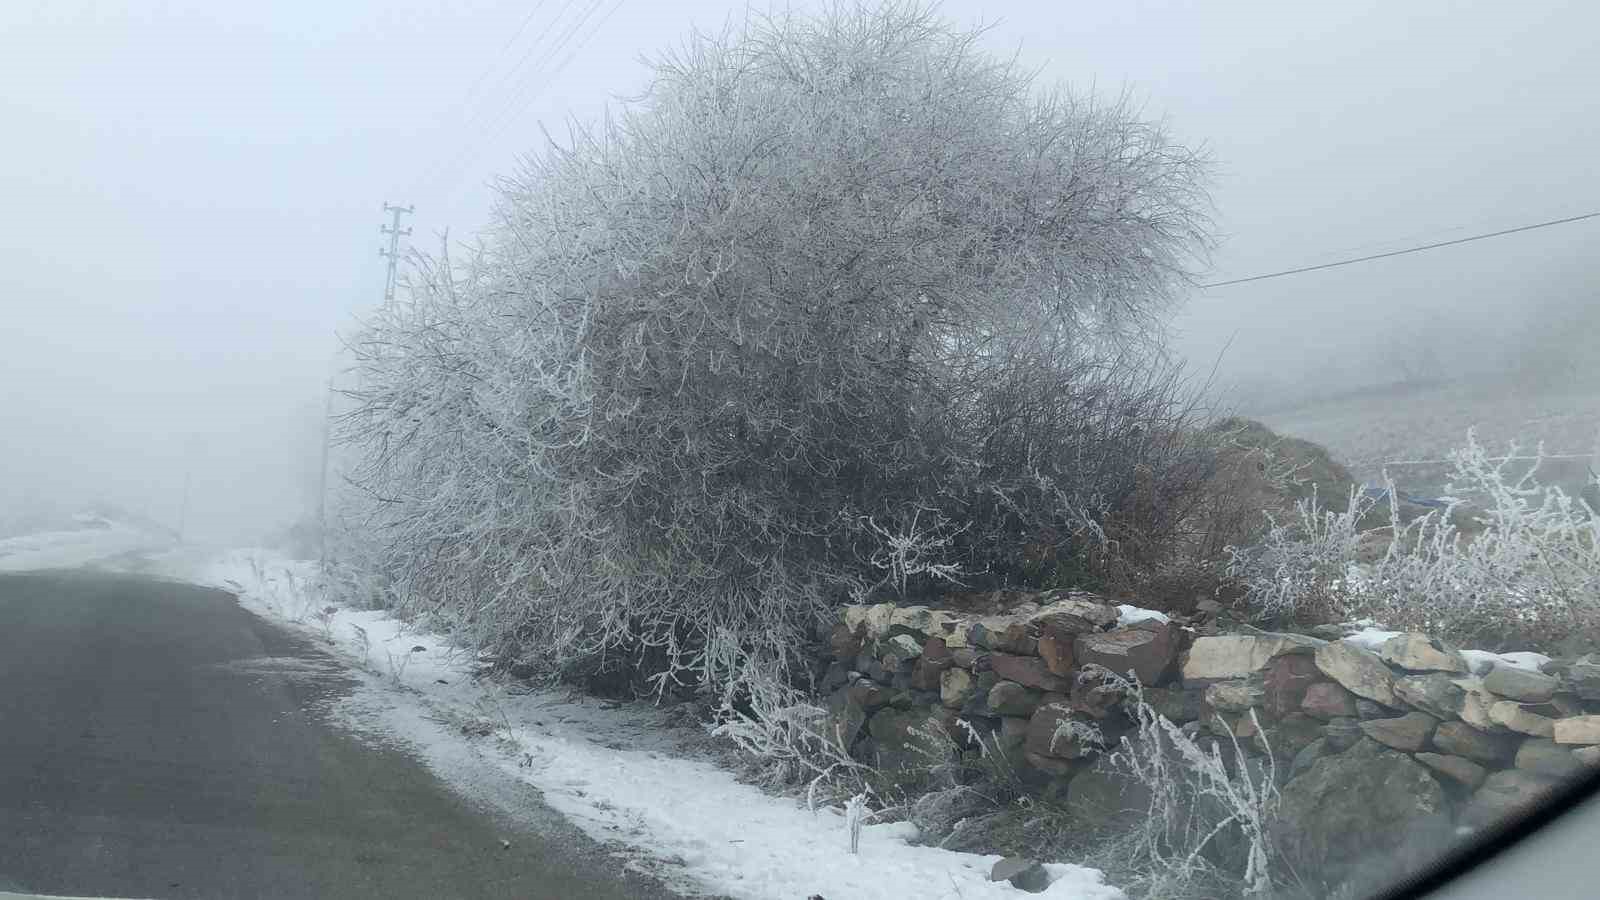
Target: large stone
x=1409 y=732
x=936 y=657
x=1459 y=769
x=1073 y=616
x=1342 y=734
x=1515 y=683
x=845 y=720
x=1577 y=730
x=908 y=739
x=1006 y=635
x=1328 y=700
x=899 y=650
x=1107 y=799
x=1507 y=794
x=1420 y=653
x=1011 y=699
x=1229 y=656
x=978 y=703
x=1511 y=715
x=1022 y=873
x=1286 y=737
x=1056 y=651
x=1175 y=704
x=1148 y=654
x=1235 y=696
x=956 y=687
x=1582 y=677
x=1307 y=756
x=1435 y=693
x=843 y=643
x=1355 y=805
x=1027 y=670
x=1058 y=732
x=1095 y=693
x=1476 y=703
x=1360 y=671
x=1287 y=680
x=1547 y=757
x=1461 y=739
x=1589 y=756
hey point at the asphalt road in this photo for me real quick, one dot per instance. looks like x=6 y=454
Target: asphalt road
x=156 y=740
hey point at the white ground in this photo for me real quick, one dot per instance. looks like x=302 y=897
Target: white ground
x=98 y=539
x=611 y=769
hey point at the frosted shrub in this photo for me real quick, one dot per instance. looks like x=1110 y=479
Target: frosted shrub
x=1300 y=569
x=840 y=305
x=1208 y=815
x=1527 y=570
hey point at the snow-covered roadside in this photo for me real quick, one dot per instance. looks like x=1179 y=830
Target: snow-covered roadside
x=610 y=768
x=98 y=539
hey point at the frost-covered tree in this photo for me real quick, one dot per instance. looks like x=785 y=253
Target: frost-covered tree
x=839 y=304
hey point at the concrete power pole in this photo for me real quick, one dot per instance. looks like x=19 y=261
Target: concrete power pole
x=395 y=233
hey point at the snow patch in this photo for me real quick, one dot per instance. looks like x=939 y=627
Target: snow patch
x=1132 y=615
x=1370 y=637
x=610 y=768
x=99 y=539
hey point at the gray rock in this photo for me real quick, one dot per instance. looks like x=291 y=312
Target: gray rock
x=1421 y=653
x=1520 y=684
x=1506 y=794
x=956 y=687
x=1513 y=716
x=1360 y=671
x=1371 y=709
x=1547 y=757
x=1435 y=693
x=907 y=739
x=1287 y=736
x=1229 y=656
x=1028 y=670
x=1024 y=874
x=1355 y=804
x=1107 y=799
x=898 y=651
x=1461 y=739
x=1409 y=732
x=1148 y=654
x=1457 y=768
x=1176 y=704
x=1328 y=700
x=1308 y=755
x=1011 y=699
x=1577 y=730
x=1582 y=677
x=1341 y=734
x=1237 y=695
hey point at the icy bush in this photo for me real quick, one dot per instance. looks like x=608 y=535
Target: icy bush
x=1527 y=567
x=1208 y=814
x=840 y=305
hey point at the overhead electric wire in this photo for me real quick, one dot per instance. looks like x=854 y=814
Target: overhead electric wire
x=1434 y=246
x=537 y=79
x=506 y=86
x=540 y=78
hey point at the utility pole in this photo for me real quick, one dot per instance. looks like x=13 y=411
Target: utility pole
x=322 y=482
x=183 y=510
x=395 y=233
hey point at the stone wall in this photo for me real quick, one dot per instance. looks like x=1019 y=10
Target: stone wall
x=1375 y=737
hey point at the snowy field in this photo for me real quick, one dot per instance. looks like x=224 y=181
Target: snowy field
x=612 y=769
x=94 y=540
x=1366 y=432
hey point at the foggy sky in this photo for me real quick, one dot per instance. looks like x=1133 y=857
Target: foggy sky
x=191 y=192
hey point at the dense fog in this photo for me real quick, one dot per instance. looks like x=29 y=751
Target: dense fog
x=193 y=194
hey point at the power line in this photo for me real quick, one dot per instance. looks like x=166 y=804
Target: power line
x=1433 y=246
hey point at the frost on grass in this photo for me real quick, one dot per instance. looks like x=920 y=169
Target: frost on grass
x=1208 y=813
x=1525 y=568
